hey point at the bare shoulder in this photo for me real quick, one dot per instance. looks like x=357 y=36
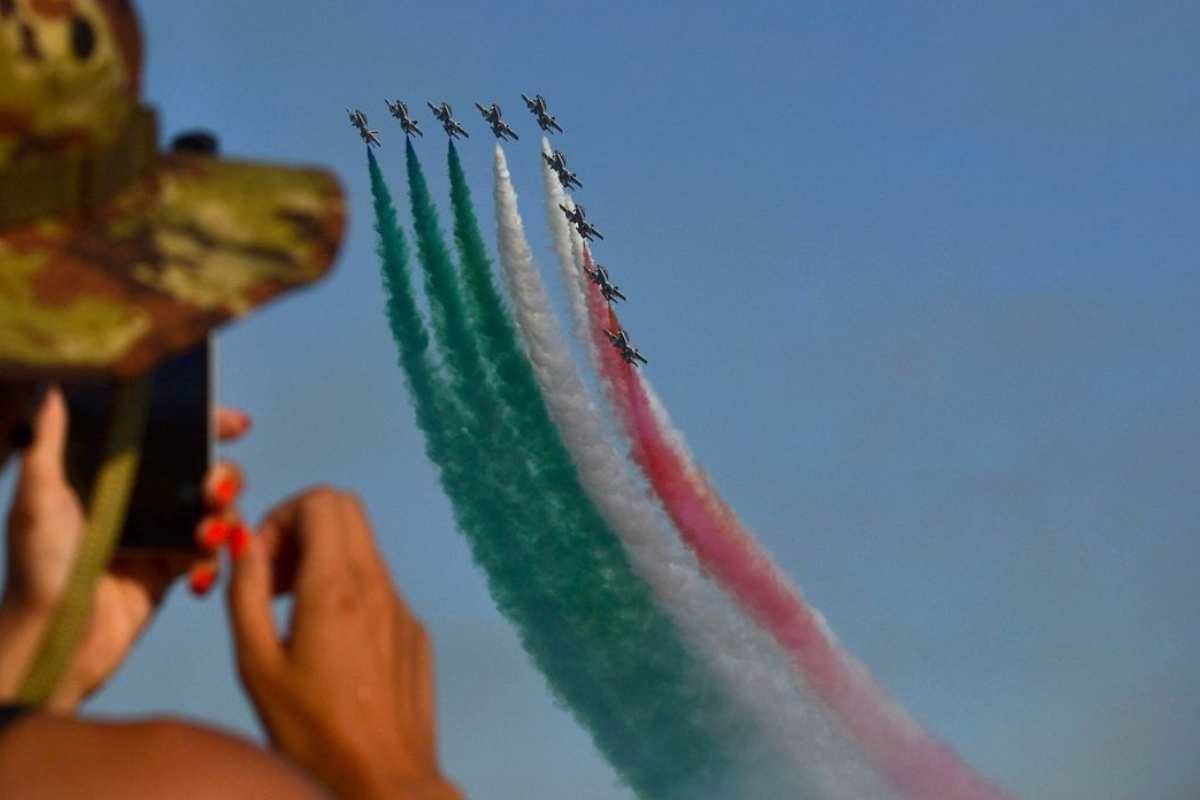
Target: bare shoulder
x=49 y=756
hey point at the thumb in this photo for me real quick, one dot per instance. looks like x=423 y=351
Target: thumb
x=259 y=652
x=43 y=460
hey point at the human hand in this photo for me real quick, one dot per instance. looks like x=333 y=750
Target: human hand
x=348 y=693
x=45 y=526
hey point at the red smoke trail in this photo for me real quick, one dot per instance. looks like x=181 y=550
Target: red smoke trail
x=913 y=762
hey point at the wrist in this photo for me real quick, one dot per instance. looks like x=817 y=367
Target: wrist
x=394 y=781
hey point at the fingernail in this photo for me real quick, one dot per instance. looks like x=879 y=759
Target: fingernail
x=213 y=534
x=226 y=490
x=201 y=579
x=239 y=540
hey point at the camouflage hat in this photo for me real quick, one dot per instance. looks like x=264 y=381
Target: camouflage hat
x=113 y=254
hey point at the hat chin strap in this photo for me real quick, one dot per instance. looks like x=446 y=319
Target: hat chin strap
x=79 y=182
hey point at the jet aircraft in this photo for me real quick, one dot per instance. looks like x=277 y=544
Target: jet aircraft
x=399 y=110
x=610 y=290
x=538 y=106
x=577 y=218
x=499 y=127
x=445 y=115
x=359 y=120
x=620 y=340
x=558 y=163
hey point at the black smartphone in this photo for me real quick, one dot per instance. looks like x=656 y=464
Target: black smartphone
x=168 y=498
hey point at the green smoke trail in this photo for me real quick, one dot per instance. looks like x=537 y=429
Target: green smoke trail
x=523 y=402
x=656 y=688
x=557 y=652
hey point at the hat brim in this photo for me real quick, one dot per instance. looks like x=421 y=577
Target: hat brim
x=197 y=242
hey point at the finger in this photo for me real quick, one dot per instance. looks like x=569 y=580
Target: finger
x=282 y=551
x=239 y=540
x=213 y=532
x=232 y=424
x=359 y=542
x=203 y=575
x=310 y=526
x=259 y=650
x=43 y=461
x=222 y=486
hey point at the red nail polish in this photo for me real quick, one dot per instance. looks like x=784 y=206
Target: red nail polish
x=213 y=534
x=239 y=540
x=202 y=579
x=226 y=490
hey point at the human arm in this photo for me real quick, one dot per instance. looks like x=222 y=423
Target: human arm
x=54 y=756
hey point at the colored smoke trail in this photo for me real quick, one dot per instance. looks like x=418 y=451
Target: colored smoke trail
x=508 y=564
x=568 y=247
x=917 y=765
x=525 y=415
x=678 y=733
x=510 y=543
x=747 y=660
x=561 y=236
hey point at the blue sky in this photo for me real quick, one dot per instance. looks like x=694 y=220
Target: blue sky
x=919 y=280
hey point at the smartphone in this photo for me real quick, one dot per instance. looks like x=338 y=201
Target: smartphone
x=167 y=501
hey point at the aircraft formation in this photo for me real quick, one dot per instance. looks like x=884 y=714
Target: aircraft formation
x=557 y=162
x=492 y=114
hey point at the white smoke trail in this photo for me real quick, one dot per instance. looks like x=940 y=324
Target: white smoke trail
x=743 y=656
x=566 y=247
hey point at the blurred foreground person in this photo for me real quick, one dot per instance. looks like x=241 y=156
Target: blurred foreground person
x=114 y=256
